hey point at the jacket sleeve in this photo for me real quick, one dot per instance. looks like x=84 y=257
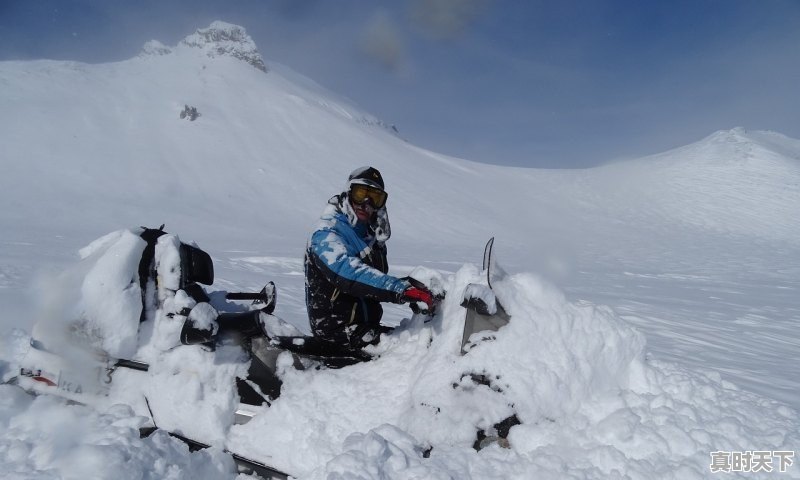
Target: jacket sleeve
x=348 y=273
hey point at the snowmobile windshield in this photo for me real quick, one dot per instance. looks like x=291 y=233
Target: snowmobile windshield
x=361 y=194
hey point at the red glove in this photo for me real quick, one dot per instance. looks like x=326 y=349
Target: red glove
x=414 y=294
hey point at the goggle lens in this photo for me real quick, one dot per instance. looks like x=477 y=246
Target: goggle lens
x=362 y=193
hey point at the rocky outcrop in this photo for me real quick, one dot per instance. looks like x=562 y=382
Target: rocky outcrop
x=225 y=39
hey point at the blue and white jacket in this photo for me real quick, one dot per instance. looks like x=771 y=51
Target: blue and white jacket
x=346 y=279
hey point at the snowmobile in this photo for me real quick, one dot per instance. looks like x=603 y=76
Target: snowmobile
x=166 y=279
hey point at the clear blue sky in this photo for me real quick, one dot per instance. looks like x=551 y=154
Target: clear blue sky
x=561 y=83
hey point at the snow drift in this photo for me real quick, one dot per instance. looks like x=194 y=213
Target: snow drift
x=587 y=403
x=45 y=438
x=575 y=375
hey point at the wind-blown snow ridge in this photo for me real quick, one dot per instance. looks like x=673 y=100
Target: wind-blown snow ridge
x=754 y=144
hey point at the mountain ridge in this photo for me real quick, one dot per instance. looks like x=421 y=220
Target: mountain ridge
x=112 y=132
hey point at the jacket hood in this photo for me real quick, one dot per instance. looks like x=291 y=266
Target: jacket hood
x=379 y=226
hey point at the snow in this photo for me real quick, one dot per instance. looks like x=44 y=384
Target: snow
x=578 y=381
x=113 y=299
x=106 y=315
x=203 y=316
x=653 y=302
x=168 y=262
x=430 y=278
x=483 y=293
x=44 y=438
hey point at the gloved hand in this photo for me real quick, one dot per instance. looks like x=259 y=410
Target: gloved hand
x=418 y=294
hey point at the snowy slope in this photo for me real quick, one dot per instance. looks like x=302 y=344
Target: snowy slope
x=263 y=147
x=731 y=183
x=697 y=248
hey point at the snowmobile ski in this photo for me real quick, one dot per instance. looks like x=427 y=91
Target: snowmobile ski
x=243 y=464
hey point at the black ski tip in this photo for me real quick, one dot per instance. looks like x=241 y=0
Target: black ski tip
x=487 y=260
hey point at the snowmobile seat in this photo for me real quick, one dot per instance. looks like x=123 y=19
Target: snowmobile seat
x=196 y=266
x=196 y=292
x=330 y=354
x=245 y=324
x=248 y=325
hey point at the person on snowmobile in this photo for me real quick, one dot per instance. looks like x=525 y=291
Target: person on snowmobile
x=345 y=266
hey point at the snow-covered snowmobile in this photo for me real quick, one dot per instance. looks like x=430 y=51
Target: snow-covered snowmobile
x=158 y=278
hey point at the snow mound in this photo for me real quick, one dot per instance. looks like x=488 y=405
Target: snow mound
x=573 y=374
x=732 y=182
x=13 y=346
x=225 y=39
x=97 y=302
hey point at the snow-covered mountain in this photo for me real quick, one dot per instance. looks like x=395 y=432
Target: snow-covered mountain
x=696 y=247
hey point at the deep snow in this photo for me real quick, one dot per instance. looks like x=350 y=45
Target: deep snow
x=694 y=250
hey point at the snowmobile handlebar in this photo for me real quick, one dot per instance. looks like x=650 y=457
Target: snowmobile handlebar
x=267 y=296
x=437 y=298
x=245 y=296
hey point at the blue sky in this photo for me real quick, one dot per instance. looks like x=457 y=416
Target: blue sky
x=567 y=83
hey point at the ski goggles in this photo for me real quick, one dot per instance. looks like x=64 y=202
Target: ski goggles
x=361 y=194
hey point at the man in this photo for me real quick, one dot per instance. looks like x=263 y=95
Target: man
x=345 y=266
